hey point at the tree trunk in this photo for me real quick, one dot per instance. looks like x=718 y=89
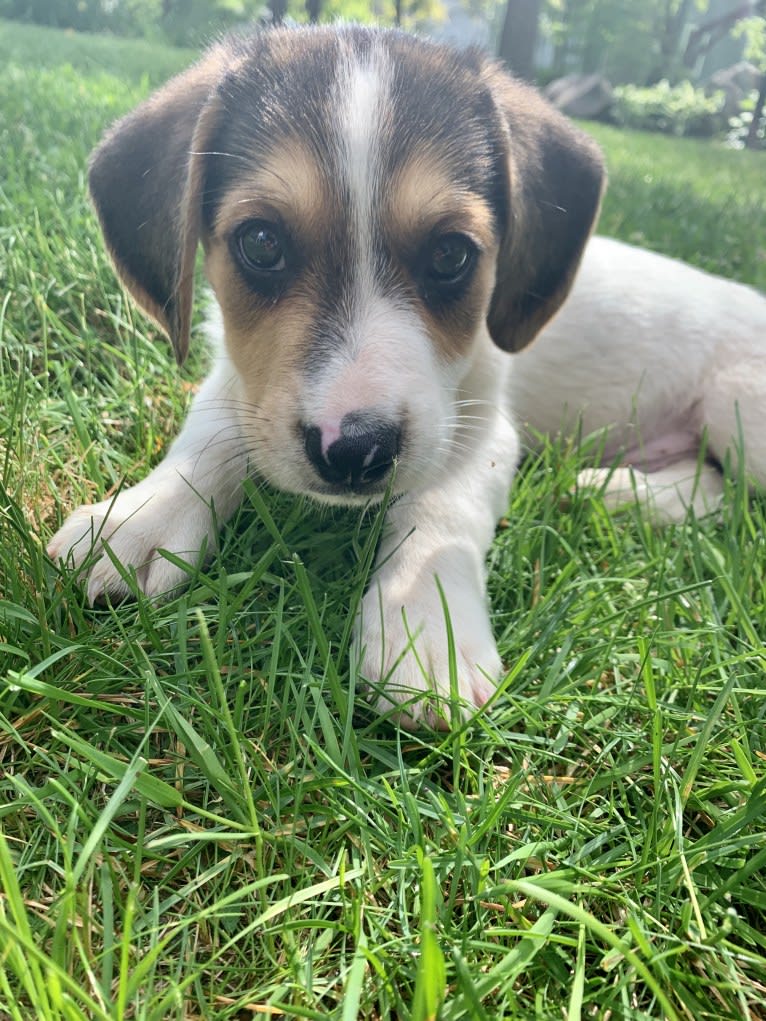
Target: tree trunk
x=519 y=37
x=670 y=38
x=707 y=35
x=278 y=10
x=312 y=9
x=752 y=135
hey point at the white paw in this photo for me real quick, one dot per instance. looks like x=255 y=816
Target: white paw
x=404 y=648
x=135 y=525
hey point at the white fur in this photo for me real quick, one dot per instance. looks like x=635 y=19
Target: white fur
x=658 y=354
x=437 y=536
x=648 y=349
x=361 y=92
x=197 y=486
x=385 y=357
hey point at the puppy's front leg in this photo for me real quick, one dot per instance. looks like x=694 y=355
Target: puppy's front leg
x=176 y=507
x=438 y=538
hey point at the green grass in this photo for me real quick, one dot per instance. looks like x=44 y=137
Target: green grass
x=694 y=199
x=200 y=820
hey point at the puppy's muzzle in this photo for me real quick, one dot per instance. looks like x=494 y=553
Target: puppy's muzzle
x=358 y=454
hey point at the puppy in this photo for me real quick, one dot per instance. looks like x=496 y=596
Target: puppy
x=384 y=221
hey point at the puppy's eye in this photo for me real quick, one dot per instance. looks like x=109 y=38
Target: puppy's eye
x=260 y=247
x=450 y=259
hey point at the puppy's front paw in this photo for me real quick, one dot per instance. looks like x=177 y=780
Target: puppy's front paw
x=135 y=525
x=404 y=649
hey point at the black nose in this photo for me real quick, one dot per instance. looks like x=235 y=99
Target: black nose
x=362 y=455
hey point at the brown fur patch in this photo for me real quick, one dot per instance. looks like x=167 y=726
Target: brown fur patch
x=425 y=201
x=555 y=182
x=266 y=342
x=453 y=333
x=285 y=185
x=424 y=196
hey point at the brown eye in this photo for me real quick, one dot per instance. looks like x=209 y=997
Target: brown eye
x=451 y=258
x=260 y=247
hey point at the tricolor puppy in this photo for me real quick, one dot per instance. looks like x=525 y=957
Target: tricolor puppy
x=383 y=222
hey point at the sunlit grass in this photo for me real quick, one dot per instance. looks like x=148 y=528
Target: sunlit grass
x=200 y=818
x=695 y=199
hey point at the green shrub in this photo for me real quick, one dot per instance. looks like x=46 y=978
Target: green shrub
x=739 y=126
x=672 y=109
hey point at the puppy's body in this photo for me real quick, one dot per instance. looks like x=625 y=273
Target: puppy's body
x=663 y=364
x=382 y=221
x=644 y=347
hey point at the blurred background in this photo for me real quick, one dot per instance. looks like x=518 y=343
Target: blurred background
x=685 y=67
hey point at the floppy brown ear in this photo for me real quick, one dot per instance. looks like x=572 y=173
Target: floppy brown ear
x=555 y=179
x=146 y=195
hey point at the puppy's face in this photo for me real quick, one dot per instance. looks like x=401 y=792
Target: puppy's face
x=351 y=238
x=360 y=204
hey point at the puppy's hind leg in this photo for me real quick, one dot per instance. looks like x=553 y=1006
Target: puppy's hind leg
x=734 y=414
x=666 y=496
x=733 y=398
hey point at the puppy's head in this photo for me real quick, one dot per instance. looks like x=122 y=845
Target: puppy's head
x=371 y=208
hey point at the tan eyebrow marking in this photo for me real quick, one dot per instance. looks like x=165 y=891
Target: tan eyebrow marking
x=424 y=195
x=287 y=181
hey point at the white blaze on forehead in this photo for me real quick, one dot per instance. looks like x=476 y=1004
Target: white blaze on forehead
x=362 y=93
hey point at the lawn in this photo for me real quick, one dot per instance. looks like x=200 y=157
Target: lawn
x=200 y=820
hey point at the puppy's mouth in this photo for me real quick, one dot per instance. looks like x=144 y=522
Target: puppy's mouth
x=353 y=460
